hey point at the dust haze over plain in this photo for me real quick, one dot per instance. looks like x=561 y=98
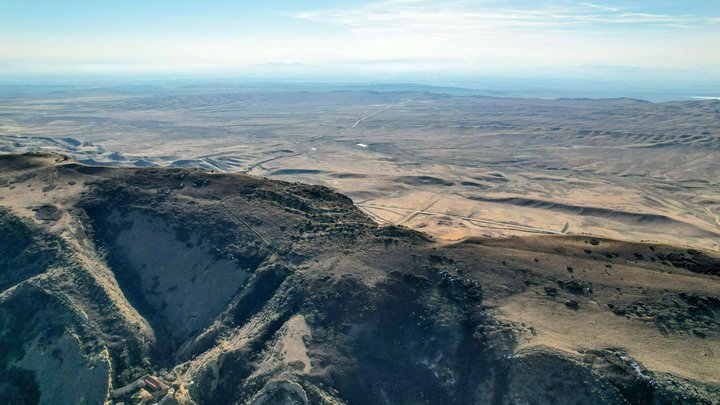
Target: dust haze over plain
x=364 y=202
x=547 y=49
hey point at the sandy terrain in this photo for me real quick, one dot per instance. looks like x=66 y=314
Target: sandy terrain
x=451 y=166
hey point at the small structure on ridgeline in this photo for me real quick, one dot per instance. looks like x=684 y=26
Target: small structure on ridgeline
x=145 y=389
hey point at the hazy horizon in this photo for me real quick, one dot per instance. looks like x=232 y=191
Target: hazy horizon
x=653 y=90
x=390 y=40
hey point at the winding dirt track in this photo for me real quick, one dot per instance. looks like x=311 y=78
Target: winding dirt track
x=414 y=213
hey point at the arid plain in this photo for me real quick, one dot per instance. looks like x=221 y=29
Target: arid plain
x=444 y=161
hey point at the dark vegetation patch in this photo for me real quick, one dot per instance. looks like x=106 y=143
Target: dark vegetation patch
x=575 y=286
x=637 y=385
x=28 y=314
x=690 y=314
x=426 y=326
x=695 y=261
x=24 y=253
x=48 y=212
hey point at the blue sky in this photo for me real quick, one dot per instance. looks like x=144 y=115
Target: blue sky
x=482 y=37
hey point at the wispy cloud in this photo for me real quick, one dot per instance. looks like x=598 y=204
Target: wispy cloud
x=600 y=7
x=451 y=17
x=394 y=35
x=519 y=32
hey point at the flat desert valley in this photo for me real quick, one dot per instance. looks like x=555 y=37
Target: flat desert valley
x=446 y=162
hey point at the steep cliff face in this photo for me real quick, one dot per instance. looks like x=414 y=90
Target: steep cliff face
x=236 y=289
x=51 y=321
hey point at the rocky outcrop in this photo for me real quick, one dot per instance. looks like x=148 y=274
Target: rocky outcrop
x=235 y=289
